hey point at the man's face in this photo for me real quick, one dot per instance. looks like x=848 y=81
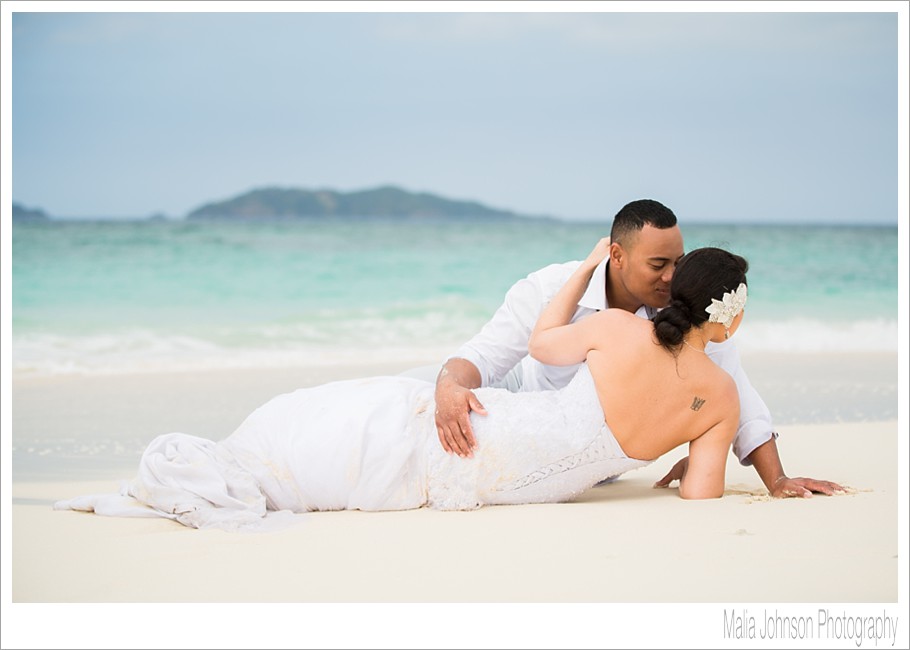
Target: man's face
x=648 y=264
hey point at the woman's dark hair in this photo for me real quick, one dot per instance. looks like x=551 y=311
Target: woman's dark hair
x=700 y=276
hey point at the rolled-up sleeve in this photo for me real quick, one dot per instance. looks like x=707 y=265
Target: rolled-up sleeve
x=755 y=426
x=503 y=341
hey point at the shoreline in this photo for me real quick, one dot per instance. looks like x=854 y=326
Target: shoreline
x=101 y=423
x=86 y=426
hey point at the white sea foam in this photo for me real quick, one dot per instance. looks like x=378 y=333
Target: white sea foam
x=418 y=340
x=141 y=352
x=805 y=335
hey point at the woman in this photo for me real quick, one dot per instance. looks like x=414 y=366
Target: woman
x=657 y=397
x=370 y=444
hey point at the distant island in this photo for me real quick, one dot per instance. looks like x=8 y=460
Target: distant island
x=387 y=201
x=21 y=213
x=294 y=203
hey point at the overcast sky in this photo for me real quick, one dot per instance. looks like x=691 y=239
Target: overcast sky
x=722 y=116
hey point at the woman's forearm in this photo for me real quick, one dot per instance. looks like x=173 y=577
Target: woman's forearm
x=560 y=310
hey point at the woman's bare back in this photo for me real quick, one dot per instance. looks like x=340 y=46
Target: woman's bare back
x=654 y=401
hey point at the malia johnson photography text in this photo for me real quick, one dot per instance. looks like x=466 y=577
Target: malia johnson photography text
x=826 y=625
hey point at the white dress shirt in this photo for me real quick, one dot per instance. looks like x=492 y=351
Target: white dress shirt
x=500 y=349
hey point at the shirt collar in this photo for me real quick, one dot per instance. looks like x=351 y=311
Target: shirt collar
x=595 y=296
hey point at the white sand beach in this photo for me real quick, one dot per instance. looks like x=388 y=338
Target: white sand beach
x=620 y=543
x=744 y=547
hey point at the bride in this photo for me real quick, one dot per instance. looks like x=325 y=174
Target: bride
x=370 y=444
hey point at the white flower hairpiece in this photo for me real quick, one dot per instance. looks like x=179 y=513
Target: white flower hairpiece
x=724 y=311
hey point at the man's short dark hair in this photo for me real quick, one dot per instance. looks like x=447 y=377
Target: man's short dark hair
x=635 y=215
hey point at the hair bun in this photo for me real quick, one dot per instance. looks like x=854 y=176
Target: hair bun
x=682 y=307
x=672 y=323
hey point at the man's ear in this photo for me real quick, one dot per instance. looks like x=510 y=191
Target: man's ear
x=617 y=255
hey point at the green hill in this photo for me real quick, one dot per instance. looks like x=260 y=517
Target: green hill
x=21 y=213
x=379 y=202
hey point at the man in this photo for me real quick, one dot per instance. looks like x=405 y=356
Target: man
x=645 y=245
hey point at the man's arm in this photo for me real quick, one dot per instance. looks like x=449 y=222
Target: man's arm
x=755 y=426
x=490 y=355
x=503 y=341
x=766 y=460
x=455 y=400
x=755 y=442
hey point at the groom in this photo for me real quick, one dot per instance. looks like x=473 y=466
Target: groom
x=645 y=245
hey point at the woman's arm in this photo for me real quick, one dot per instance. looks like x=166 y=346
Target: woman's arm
x=704 y=474
x=554 y=340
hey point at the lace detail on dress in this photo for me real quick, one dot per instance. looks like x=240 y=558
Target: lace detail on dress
x=597 y=450
x=533 y=447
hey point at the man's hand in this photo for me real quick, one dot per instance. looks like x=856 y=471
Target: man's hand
x=804 y=487
x=454 y=402
x=453 y=420
x=783 y=488
x=766 y=460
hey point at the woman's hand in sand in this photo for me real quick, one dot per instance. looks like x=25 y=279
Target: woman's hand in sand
x=675 y=474
x=786 y=487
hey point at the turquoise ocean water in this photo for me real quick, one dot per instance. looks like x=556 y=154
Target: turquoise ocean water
x=101 y=297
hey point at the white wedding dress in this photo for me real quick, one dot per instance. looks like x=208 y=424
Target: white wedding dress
x=371 y=444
